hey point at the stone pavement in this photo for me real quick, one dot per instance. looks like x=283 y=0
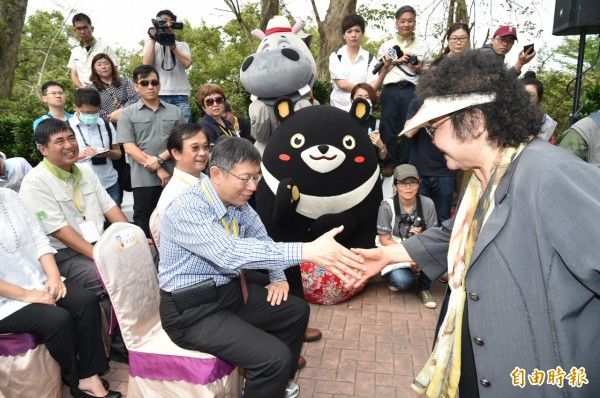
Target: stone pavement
x=372 y=346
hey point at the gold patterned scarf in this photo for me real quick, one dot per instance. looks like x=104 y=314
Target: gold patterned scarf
x=441 y=374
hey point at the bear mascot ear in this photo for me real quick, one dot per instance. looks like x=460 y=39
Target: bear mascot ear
x=360 y=109
x=284 y=108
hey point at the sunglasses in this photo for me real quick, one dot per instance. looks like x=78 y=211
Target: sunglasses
x=145 y=83
x=212 y=101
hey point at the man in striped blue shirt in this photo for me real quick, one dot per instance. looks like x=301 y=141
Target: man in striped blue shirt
x=210 y=232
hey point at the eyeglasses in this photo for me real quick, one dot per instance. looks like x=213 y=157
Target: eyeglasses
x=55 y=93
x=455 y=39
x=406 y=184
x=506 y=41
x=212 y=101
x=246 y=180
x=431 y=129
x=153 y=83
x=82 y=28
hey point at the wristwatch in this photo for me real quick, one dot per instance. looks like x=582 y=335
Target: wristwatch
x=160 y=160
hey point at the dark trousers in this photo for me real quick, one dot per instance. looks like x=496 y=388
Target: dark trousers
x=80 y=270
x=294 y=278
x=261 y=338
x=144 y=203
x=71 y=329
x=440 y=189
x=394 y=102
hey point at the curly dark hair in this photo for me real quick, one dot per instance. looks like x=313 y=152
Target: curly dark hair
x=510 y=120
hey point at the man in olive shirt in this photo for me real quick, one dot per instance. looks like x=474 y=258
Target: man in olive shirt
x=583 y=139
x=143 y=130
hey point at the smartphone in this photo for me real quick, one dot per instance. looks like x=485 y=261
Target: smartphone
x=528 y=49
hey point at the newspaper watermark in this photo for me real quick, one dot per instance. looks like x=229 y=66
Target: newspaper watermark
x=575 y=378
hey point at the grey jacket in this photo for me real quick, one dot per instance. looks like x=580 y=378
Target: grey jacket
x=534 y=282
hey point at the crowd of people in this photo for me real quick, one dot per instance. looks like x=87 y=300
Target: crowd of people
x=523 y=280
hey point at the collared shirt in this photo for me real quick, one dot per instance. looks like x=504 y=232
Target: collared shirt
x=112 y=98
x=21 y=268
x=195 y=245
x=81 y=59
x=359 y=71
x=96 y=136
x=51 y=198
x=174 y=81
x=148 y=130
x=14 y=171
x=48 y=116
x=177 y=184
x=417 y=47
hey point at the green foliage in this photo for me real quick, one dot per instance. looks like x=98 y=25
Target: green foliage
x=591 y=100
x=16 y=138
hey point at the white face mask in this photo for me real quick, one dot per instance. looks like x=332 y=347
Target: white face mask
x=89 y=118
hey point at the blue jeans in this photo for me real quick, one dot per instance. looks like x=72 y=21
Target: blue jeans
x=115 y=193
x=180 y=101
x=403 y=278
x=394 y=103
x=441 y=191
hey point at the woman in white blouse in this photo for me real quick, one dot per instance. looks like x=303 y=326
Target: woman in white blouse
x=35 y=299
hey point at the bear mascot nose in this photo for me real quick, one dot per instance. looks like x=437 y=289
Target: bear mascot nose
x=290 y=54
x=323 y=149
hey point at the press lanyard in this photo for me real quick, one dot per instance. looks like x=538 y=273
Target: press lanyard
x=411 y=45
x=225 y=131
x=186 y=182
x=74 y=196
x=225 y=225
x=99 y=132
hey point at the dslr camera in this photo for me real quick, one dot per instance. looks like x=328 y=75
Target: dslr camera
x=412 y=59
x=412 y=221
x=162 y=35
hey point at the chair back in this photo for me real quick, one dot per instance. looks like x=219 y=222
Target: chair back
x=155 y=226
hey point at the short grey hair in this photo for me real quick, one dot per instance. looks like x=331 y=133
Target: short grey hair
x=228 y=152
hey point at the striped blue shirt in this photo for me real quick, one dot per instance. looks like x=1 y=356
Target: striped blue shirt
x=194 y=245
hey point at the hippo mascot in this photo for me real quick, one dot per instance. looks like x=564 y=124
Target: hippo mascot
x=320 y=171
x=282 y=66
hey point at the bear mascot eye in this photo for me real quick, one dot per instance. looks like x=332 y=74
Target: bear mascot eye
x=349 y=142
x=297 y=140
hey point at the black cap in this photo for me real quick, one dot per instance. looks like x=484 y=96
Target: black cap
x=404 y=9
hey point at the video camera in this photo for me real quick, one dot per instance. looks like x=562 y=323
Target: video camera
x=412 y=221
x=162 y=35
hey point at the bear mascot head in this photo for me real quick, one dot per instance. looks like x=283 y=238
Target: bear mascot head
x=320 y=171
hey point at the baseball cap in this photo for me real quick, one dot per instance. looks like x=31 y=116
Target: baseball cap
x=506 y=30
x=435 y=107
x=405 y=171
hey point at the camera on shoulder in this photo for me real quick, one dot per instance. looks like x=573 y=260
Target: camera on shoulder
x=163 y=36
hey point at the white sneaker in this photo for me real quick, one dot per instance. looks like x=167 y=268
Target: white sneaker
x=393 y=288
x=427 y=299
x=292 y=390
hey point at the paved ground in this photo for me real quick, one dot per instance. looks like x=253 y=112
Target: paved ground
x=372 y=346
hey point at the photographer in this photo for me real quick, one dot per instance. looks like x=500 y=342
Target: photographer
x=171 y=58
x=399 y=218
x=399 y=85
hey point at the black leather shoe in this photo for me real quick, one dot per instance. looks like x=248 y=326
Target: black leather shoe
x=77 y=393
x=105 y=383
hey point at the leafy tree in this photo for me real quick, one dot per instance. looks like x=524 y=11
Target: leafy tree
x=12 y=18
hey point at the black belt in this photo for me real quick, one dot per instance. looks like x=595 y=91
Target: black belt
x=401 y=83
x=165 y=293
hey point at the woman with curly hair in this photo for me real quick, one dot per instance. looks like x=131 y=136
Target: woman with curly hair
x=524 y=288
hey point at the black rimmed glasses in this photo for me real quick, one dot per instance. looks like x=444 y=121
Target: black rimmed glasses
x=145 y=83
x=212 y=101
x=406 y=184
x=245 y=180
x=502 y=40
x=456 y=39
x=431 y=129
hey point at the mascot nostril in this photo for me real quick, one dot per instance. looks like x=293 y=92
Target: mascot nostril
x=247 y=63
x=290 y=54
x=323 y=149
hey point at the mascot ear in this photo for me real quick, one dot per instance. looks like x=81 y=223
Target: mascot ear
x=284 y=108
x=360 y=109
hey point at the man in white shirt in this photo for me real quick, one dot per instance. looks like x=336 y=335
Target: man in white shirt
x=80 y=62
x=171 y=61
x=188 y=145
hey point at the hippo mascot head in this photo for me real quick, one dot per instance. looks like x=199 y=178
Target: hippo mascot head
x=282 y=65
x=320 y=171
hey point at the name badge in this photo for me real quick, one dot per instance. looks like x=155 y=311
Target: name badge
x=89 y=231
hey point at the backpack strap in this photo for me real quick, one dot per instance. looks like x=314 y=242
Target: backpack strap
x=109 y=132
